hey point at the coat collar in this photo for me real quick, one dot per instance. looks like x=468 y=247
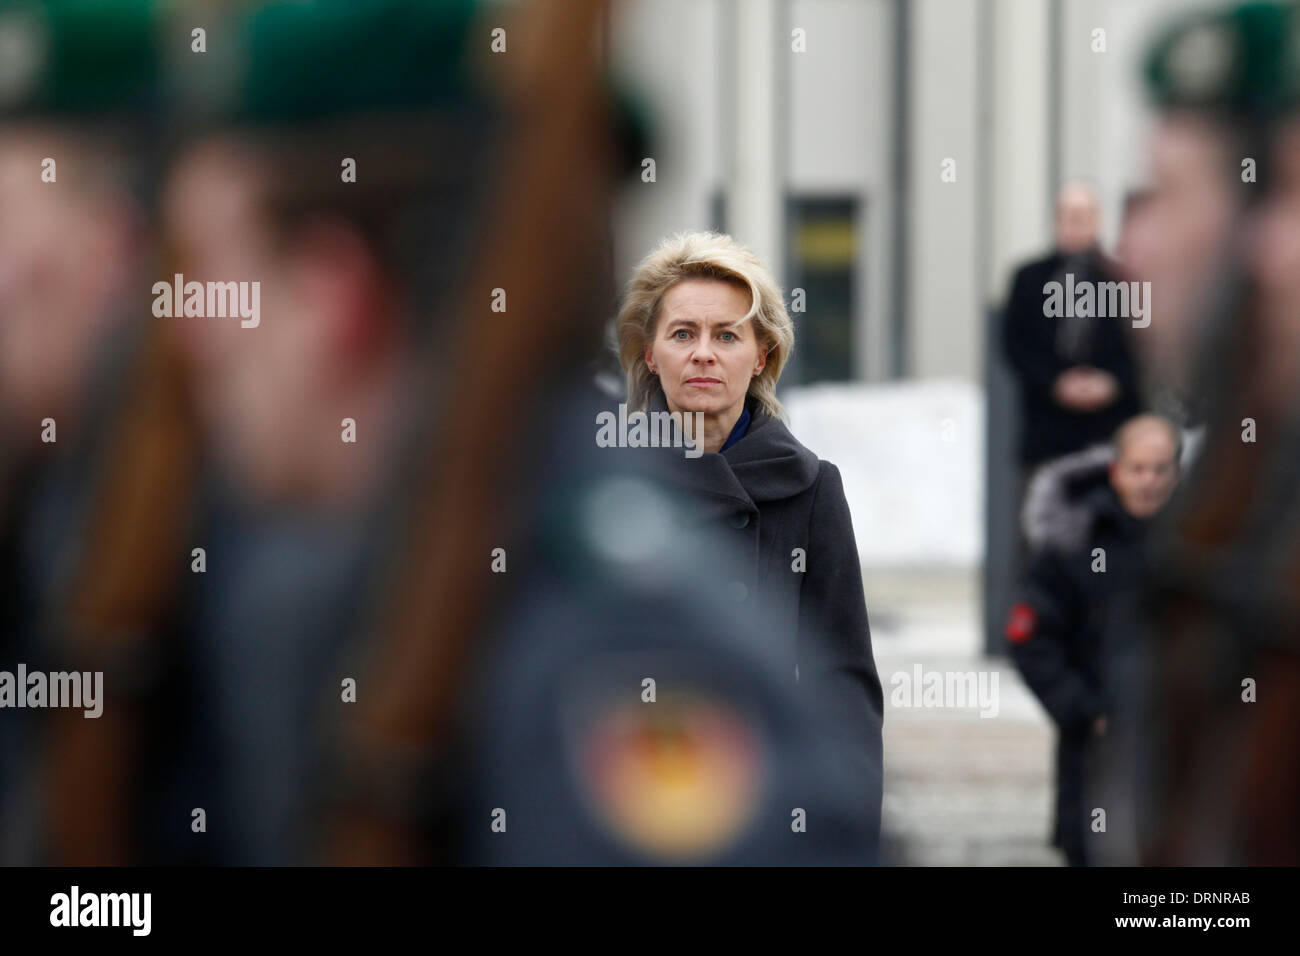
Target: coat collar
x=768 y=464
x=1107 y=509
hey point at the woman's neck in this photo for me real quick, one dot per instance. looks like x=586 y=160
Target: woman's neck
x=717 y=426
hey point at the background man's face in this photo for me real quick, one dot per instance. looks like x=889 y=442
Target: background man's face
x=1145 y=471
x=1076 y=219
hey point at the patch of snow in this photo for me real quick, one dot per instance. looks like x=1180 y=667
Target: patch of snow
x=912 y=458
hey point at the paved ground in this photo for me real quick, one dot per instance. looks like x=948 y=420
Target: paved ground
x=960 y=789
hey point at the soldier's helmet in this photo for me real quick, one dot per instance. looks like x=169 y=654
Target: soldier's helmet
x=76 y=58
x=1239 y=62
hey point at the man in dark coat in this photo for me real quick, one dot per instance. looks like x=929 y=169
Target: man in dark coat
x=1073 y=631
x=1078 y=380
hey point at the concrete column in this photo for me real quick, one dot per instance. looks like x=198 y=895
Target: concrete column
x=755 y=181
x=1019 y=147
x=944 y=322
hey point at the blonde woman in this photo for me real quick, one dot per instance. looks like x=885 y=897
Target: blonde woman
x=703 y=329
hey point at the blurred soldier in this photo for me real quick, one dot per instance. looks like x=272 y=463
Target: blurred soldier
x=1222 y=785
x=1136 y=222
x=73 y=253
x=299 y=221
x=1078 y=381
x=1073 y=633
x=308 y=413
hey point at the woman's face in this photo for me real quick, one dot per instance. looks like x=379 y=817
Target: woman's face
x=705 y=361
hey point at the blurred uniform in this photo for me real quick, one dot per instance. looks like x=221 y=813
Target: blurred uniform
x=79 y=85
x=219 y=662
x=1221 y=781
x=297 y=543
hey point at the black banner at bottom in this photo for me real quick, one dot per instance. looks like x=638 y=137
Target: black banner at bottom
x=299 y=905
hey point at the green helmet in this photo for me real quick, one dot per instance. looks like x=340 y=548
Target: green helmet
x=77 y=58
x=300 y=60
x=1235 y=63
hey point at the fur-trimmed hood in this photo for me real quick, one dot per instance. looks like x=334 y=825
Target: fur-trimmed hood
x=1065 y=497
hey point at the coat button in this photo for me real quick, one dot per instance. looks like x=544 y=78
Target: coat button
x=740 y=519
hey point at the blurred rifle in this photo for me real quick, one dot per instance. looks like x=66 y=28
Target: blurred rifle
x=546 y=238
x=118 y=598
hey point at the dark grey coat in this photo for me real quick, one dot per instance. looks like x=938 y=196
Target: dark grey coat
x=779 y=502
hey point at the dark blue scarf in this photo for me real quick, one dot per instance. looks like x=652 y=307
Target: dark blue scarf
x=738 y=430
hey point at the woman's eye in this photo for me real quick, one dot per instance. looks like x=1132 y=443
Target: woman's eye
x=680 y=335
x=728 y=336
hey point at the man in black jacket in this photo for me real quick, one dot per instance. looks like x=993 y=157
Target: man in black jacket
x=1078 y=380
x=1073 y=631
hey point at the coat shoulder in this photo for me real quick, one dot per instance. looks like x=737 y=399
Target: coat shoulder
x=829 y=477
x=1028 y=269
x=829 y=499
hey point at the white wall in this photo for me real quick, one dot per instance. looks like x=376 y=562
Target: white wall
x=912 y=458
x=1019 y=209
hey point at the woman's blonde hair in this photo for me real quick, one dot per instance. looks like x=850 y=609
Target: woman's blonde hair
x=701 y=255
